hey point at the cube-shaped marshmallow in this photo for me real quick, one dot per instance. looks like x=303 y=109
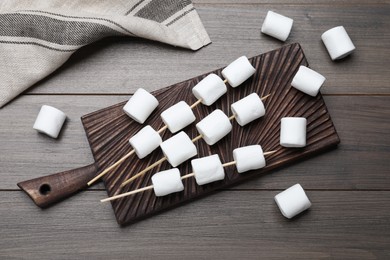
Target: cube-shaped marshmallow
x=208 y=169
x=214 y=127
x=248 y=109
x=293 y=132
x=178 y=116
x=145 y=141
x=209 y=89
x=178 y=149
x=249 y=158
x=140 y=105
x=167 y=182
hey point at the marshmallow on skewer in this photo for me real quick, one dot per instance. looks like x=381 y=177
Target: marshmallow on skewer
x=209 y=89
x=145 y=141
x=308 y=81
x=208 y=169
x=214 y=127
x=178 y=116
x=249 y=158
x=292 y=201
x=337 y=42
x=49 y=121
x=167 y=182
x=140 y=105
x=277 y=25
x=238 y=71
x=293 y=132
x=248 y=109
x=178 y=149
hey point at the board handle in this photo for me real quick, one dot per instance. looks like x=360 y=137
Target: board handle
x=48 y=190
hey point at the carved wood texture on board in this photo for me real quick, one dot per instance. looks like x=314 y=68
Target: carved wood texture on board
x=109 y=130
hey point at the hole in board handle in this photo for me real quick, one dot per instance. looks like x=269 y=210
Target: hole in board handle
x=44 y=189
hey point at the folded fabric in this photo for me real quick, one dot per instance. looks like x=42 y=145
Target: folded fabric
x=37 y=37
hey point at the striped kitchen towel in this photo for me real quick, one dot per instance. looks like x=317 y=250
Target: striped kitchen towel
x=37 y=37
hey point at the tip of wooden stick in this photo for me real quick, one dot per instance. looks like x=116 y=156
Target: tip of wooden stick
x=270 y=152
x=267 y=96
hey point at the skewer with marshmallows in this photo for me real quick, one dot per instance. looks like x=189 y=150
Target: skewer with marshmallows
x=205 y=170
x=179 y=148
x=180 y=115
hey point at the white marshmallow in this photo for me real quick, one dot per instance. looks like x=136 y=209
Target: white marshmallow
x=293 y=132
x=178 y=116
x=178 y=149
x=277 y=25
x=167 y=182
x=214 y=127
x=248 y=109
x=145 y=141
x=140 y=105
x=209 y=89
x=308 y=81
x=208 y=169
x=249 y=158
x=337 y=42
x=292 y=201
x=49 y=121
x=238 y=71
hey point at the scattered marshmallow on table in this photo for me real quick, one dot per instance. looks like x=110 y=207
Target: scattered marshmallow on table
x=249 y=158
x=178 y=116
x=208 y=169
x=337 y=42
x=145 y=141
x=209 y=89
x=167 y=182
x=293 y=132
x=277 y=25
x=214 y=127
x=238 y=71
x=248 y=109
x=140 y=105
x=308 y=81
x=292 y=201
x=49 y=121
x=178 y=149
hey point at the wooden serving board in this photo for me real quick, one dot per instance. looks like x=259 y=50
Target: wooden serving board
x=108 y=131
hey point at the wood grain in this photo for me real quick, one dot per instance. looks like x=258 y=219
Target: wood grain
x=108 y=131
x=360 y=162
x=347 y=221
x=229 y=225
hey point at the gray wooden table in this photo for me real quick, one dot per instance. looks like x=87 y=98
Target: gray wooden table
x=349 y=187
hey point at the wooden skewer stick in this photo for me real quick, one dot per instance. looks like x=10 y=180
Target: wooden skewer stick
x=151 y=186
x=196 y=103
x=153 y=165
x=225 y=81
x=162 y=129
x=144 y=171
x=111 y=167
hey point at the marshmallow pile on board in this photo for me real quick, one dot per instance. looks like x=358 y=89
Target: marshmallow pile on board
x=277 y=26
x=292 y=201
x=337 y=42
x=49 y=121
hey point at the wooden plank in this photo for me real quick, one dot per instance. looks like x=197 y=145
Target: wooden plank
x=121 y=65
x=360 y=162
x=231 y=225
